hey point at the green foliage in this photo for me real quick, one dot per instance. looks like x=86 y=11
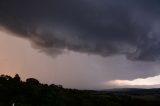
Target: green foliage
x=32 y=93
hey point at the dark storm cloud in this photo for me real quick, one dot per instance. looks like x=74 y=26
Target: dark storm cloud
x=104 y=27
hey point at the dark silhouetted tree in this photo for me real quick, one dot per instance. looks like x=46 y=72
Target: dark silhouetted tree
x=17 y=78
x=32 y=81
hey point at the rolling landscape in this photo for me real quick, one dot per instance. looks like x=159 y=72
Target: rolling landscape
x=33 y=93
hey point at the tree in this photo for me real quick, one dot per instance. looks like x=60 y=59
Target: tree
x=17 y=78
x=32 y=81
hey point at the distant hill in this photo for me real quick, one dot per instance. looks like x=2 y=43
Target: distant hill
x=135 y=91
x=33 y=93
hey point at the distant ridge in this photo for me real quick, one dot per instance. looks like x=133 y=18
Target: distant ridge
x=134 y=91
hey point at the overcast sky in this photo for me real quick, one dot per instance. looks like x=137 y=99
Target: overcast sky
x=84 y=44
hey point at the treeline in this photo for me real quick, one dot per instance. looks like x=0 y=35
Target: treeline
x=32 y=93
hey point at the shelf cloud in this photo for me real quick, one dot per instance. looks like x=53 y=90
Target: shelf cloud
x=104 y=27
